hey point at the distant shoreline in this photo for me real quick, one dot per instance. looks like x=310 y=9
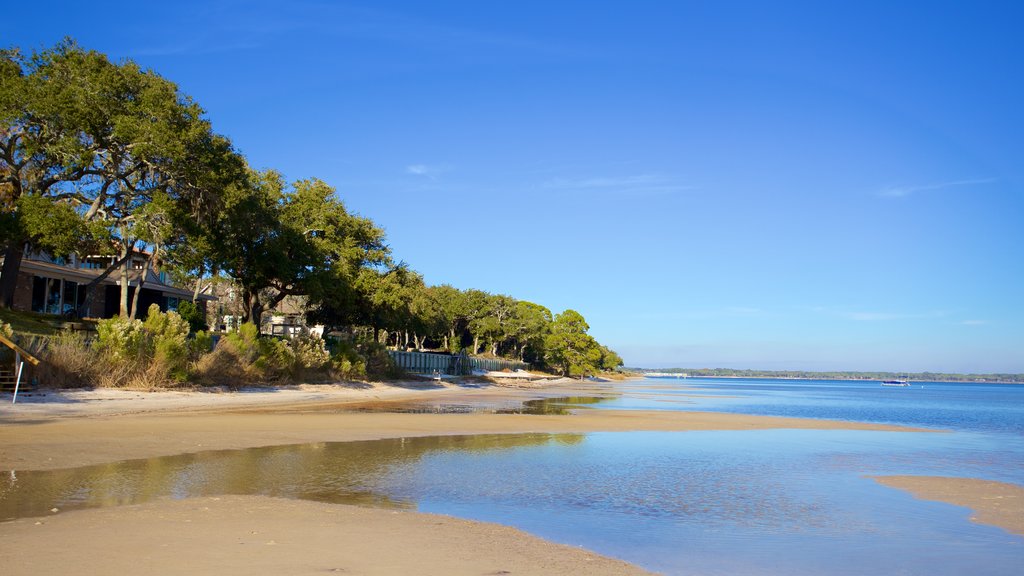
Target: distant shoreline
x=689 y=376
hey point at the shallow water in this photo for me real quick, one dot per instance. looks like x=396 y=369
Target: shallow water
x=758 y=502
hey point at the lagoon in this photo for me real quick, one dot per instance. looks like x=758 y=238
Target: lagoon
x=747 y=502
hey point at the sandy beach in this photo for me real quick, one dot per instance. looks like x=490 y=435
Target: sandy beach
x=247 y=534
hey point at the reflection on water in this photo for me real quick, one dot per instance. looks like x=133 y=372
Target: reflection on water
x=559 y=406
x=343 y=473
x=741 y=502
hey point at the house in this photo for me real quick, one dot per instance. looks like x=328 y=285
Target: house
x=58 y=286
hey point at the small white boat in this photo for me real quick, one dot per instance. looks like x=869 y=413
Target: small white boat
x=899 y=383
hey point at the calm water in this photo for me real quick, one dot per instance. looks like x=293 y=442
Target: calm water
x=764 y=502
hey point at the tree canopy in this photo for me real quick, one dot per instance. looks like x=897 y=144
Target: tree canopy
x=101 y=157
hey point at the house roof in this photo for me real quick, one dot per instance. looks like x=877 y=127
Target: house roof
x=85 y=275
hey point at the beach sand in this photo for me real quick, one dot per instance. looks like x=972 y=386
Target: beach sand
x=247 y=534
x=992 y=503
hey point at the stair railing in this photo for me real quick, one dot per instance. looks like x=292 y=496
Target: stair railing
x=20 y=357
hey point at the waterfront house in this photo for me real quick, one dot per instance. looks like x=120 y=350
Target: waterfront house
x=52 y=285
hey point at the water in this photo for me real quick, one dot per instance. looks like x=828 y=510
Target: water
x=760 y=502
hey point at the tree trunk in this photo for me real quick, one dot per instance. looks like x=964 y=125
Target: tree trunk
x=125 y=266
x=199 y=285
x=90 y=288
x=9 y=275
x=134 y=311
x=252 y=307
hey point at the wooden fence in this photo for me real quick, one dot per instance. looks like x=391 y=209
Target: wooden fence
x=453 y=364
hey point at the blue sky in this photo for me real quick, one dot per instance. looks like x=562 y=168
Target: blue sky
x=779 y=185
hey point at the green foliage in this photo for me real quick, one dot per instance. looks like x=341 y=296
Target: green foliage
x=104 y=155
x=121 y=340
x=200 y=344
x=570 y=348
x=310 y=353
x=55 y=227
x=379 y=364
x=346 y=361
x=167 y=336
x=194 y=315
x=158 y=346
x=245 y=342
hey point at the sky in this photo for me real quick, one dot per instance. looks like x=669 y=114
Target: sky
x=774 y=185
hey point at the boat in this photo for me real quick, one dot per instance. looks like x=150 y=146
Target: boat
x=900 y=383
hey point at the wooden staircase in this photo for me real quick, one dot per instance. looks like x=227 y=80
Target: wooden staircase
x=9 y=372
x=7 y=378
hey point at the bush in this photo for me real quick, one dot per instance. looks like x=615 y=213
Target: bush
x=193 y=314
x=167 y=342
x=201 y=344
x=346 y=361
x=122 y=340
x=245 y=358
x=146 y=354
x=379 y=364
x=68 y=361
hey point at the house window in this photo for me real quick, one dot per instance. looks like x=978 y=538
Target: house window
x=74 y=295
x=56 y=296
x=172 y=304
x=52 y=296
x=38 y=294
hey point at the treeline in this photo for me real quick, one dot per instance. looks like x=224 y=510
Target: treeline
x=840 y=375
x=106 y=158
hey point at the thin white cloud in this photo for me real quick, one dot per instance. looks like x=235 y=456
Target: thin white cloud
x=426 y=170
x=901 y=191
x=633 y=184
x=875 y=315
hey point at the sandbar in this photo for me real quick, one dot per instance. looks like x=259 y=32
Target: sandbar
x=993 y=503
x=245 y=535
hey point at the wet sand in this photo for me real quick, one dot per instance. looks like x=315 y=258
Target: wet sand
x=259 y=535
x=32 y=440
x=235 y=535
x=992 y=503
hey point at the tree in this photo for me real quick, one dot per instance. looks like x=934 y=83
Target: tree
x=108 y=139
x=530 y=324
x=570 y=348
x=454 y=311
x=296 y=240
x=36 y=153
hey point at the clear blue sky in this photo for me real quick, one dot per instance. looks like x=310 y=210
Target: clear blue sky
x=741 y=184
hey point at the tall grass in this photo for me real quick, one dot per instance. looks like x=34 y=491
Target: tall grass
x=159 y=353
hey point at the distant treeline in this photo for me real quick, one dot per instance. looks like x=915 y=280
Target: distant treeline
x=801 y=374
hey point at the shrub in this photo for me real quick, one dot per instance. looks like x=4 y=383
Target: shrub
x=379 y=364
x=193 y=314
x=346 y=361
x=246 y=342
x=167 y=343
x=141 y=354
x=68 y=362
x=225 y=366
x=275 y=359
x=122 y=340
x=200 y=344
x=310 y=352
